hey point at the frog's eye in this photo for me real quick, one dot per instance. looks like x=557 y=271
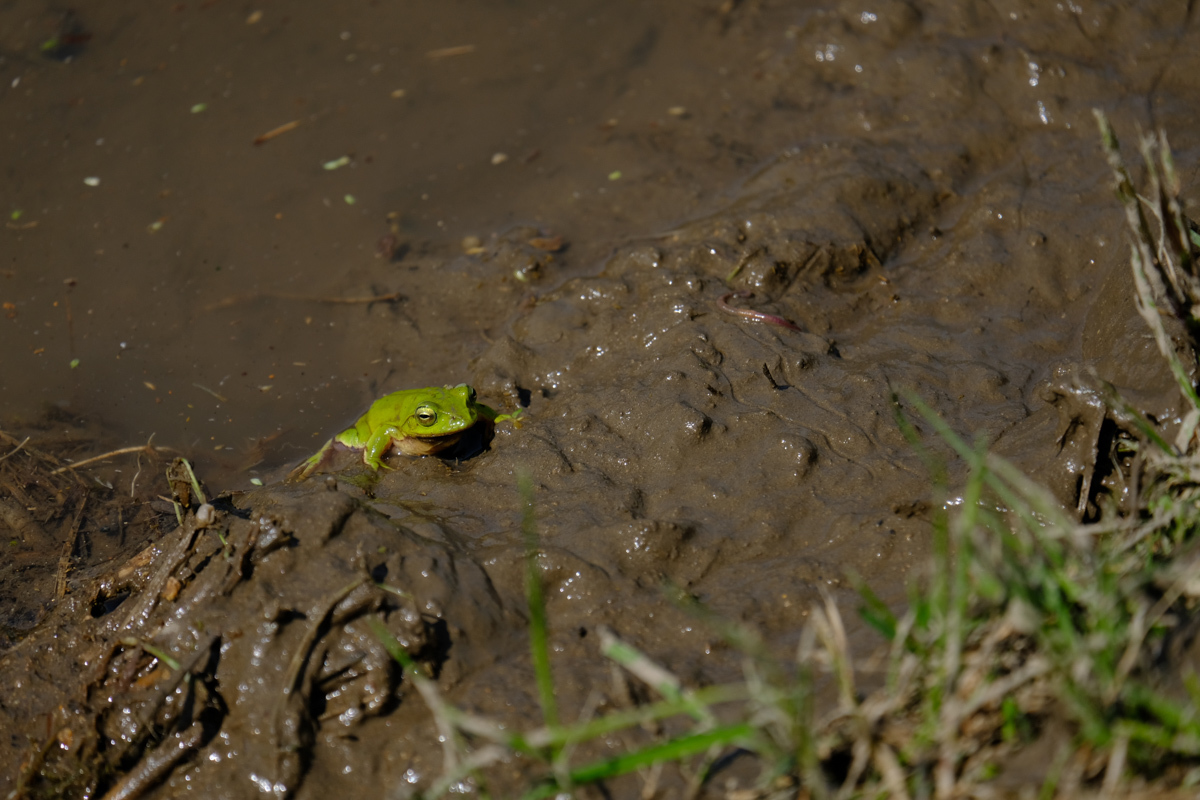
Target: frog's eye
x=426 y=416
x=471 y=394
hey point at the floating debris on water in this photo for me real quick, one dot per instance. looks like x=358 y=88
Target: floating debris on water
x=271 y=134
x=446 y=52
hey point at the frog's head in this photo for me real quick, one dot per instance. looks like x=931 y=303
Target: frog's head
x=441 y=413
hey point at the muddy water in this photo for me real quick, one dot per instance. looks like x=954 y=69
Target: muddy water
x=917 y=188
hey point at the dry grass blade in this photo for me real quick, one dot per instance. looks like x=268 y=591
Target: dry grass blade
x=827 y=621
x=662 y=680
x=146 y=448
x=447 y=52
x=1116 y=766
x=279 y=131
x=15 y=450
x=22 y=446
x=447 y=719
x=893 y=774
x=1161 y=264
x=862 y=757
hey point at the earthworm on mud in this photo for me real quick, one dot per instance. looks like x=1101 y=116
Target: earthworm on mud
x=751 y=314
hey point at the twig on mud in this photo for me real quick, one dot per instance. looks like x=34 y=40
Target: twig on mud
x=155 y=766
x=141 y=607
x=64 y=561
x=293 y=692
x=15 y=450
x=392 y=297
x=144 y=448
x=4 y=437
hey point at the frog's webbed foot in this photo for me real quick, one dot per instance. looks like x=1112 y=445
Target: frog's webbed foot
x=301 y=472
x=375 y=463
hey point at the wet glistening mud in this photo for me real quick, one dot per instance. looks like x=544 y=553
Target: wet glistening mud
x=703 y=247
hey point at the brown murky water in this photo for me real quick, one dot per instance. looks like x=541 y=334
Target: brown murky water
x=917 y=187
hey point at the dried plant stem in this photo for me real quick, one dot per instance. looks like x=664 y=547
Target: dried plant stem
x=144 y=448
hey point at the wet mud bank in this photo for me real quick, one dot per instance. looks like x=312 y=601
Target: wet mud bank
x=703 y=247
x=229 y=593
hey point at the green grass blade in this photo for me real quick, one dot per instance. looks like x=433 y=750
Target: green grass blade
x=578 y=733
x=538 y=637
x=673 y=750
x=652 y=673
x=195 y=482
x=873 y=610
x=935 y=465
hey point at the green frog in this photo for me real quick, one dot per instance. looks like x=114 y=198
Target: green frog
x=416 y=422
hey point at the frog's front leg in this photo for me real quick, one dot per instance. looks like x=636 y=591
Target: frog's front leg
x=515 y=418
x=378 y=445
x=494 y=416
